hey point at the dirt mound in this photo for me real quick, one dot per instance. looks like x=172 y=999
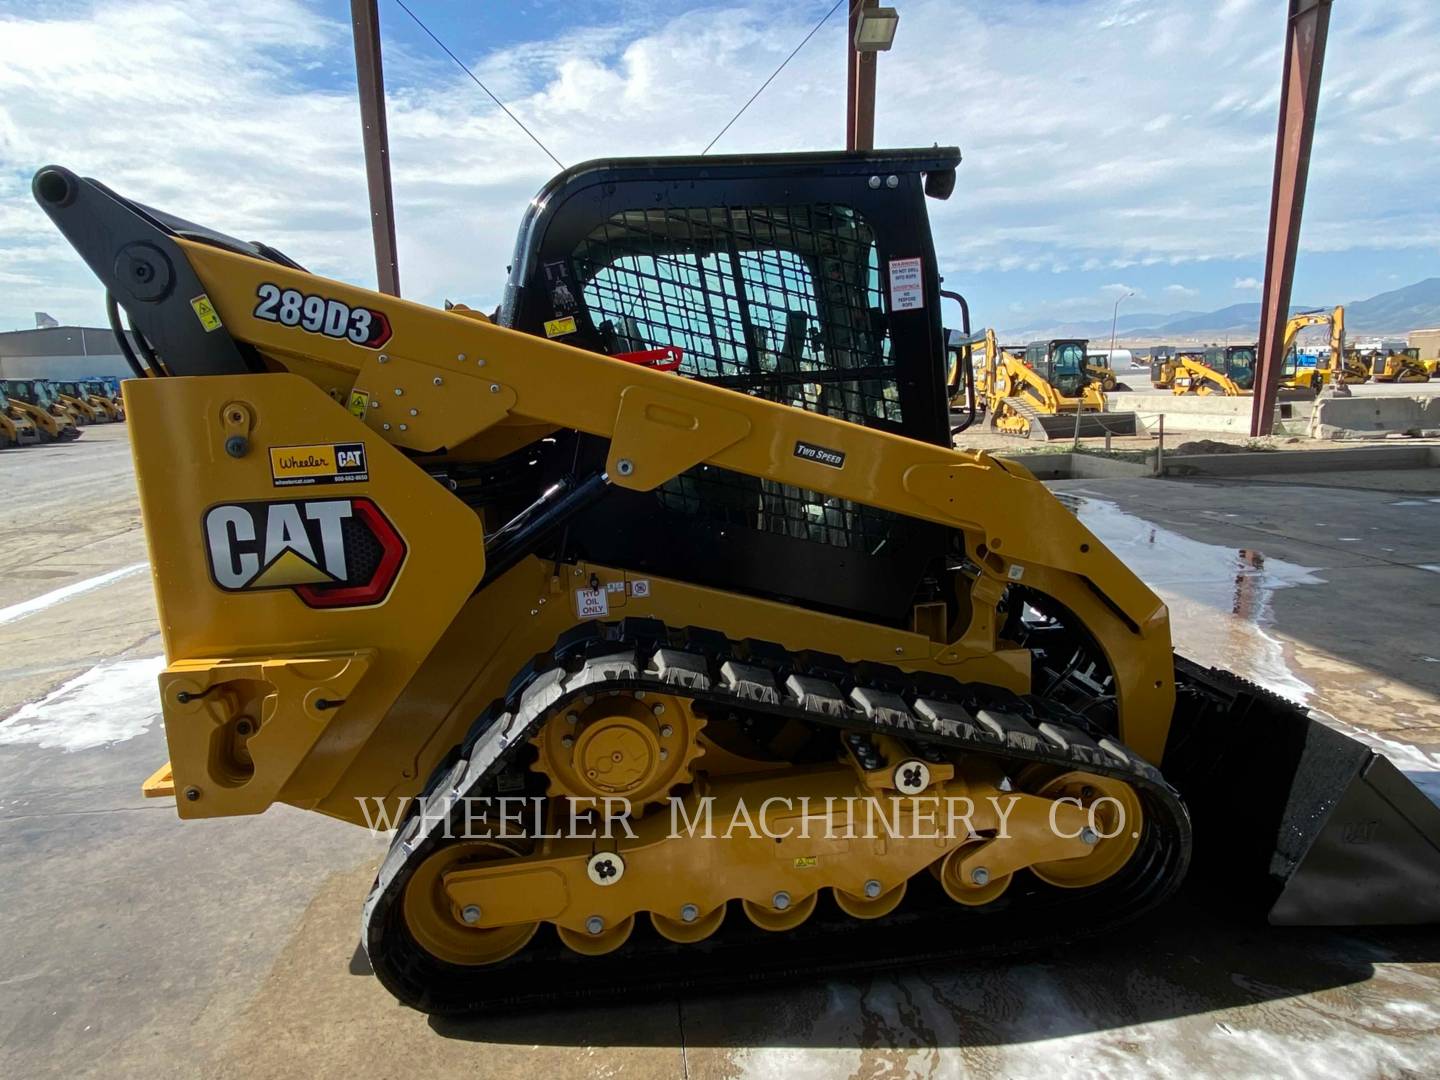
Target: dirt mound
x=1210 y=446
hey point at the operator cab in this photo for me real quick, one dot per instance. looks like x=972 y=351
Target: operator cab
x=1061 y=363
x=1237 y=362
x=809 y=280
x=31 y=391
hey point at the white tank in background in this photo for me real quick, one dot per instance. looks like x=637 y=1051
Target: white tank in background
x=1121 y=360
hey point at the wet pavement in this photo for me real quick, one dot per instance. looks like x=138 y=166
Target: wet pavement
x=228 y=948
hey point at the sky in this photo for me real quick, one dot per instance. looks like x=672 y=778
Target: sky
x=1110 y=146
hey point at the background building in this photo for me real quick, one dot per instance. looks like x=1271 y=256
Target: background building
x=61 y=352
x=1427 y=341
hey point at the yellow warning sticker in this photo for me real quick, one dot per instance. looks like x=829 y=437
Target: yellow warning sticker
x=805 y=862
x=560 y=327
x=206 y=313
x=359 y=402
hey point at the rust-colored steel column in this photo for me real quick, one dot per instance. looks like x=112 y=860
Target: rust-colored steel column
x=1306 y=26
x=860 y=91
x=370 y=76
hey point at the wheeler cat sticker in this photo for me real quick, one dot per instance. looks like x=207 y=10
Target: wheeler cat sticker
x=333 y=553
x=322 y=315
x=326 y=463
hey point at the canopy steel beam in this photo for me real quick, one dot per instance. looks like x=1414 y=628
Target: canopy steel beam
x=370 y=77
x=1306 y=27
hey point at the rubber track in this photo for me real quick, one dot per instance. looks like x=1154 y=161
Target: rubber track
x=927 y=712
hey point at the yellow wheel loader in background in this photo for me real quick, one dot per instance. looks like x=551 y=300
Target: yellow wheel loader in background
x=34 y=399
x=1039 y=395
x=1097 y=365
x=493 y=584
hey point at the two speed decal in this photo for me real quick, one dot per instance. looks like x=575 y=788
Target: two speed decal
x=322 y=315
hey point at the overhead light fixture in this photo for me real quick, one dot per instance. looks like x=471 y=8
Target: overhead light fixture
x=875 y=29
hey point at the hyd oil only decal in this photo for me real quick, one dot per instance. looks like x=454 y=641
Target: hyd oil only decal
x=326 y=463
x=322 y=315
x=821 y=454
x=330 y=552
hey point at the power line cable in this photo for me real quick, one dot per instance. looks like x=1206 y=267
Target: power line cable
x=813 y=31
x=482 y=86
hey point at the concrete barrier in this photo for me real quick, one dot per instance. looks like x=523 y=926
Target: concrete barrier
x=1375 y=417
x=1208 y=412
x=1245 y=463
x=1079 y=466
x=1276 y=462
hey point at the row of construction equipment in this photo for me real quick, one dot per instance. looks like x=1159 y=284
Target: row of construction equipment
x=1056 y=388
x=1045 y=390
x=1230 y=369
x=46 y=411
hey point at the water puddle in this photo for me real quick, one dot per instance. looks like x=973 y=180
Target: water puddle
x=110 y=703
x=1220 y=598
x=1221 y=602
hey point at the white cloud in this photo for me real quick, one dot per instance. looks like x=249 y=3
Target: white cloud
x=1157 y=149
x=1119 y=291
x=1251 y=284
x=1180 y=292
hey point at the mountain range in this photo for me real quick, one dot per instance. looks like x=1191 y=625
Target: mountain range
x=1395 y=312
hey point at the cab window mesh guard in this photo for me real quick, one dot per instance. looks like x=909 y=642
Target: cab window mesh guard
x=783 y=303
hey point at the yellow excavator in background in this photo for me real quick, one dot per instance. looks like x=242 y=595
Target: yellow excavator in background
x=34 y=399
x=564 y=621
x=1340 y=368
x=1398 y=366
x=1047 y=393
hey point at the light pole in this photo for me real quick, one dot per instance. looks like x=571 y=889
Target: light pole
x=1114 y=315
x=1110 y=362
x=872 y=30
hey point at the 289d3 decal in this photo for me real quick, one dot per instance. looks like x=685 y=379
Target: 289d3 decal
x=332 y=552
x=322 y=315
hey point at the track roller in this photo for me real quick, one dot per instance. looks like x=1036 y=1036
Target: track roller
x=968 y=891
x=597 y=939
x=866 y=906
x=697 y=928
x=784 y=912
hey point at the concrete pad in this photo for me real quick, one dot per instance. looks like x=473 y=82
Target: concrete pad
x=137 y=944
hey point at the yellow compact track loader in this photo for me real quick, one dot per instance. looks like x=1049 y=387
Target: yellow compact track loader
x=35 y=400
x=1220 y=369
x=633 y=658
x=83 y=402
x=16 y=427
x=1048 y=394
